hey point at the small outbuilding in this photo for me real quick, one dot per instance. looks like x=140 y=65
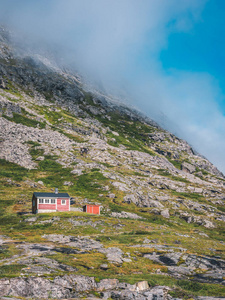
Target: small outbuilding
x=92 y=209
x=50 y=202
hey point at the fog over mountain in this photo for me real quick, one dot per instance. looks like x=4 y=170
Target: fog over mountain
x=118 y=44
x=100 y=198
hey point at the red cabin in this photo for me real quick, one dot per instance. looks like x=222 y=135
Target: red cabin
x=50 y=202
x=92 y=209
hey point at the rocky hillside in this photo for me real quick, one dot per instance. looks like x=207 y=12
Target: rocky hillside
x=161 y=232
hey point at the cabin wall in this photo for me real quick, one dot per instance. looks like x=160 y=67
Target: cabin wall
x=38 y=207
x=34 y=205
x=63 y=207
x=48 y=206
x=92 y=209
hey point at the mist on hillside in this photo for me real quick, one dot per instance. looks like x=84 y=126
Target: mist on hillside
x=116 y=45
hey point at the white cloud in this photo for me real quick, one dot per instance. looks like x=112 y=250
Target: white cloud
x=111 y=40
x=188 y=100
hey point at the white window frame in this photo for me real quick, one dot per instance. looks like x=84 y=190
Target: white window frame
x=41 y=201
x=62 y=202
x=52 y=201
x=46 y=201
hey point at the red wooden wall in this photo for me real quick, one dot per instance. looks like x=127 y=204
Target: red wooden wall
x=53 y=206
x=93 y=209
x=63 y=207
x=46 y=206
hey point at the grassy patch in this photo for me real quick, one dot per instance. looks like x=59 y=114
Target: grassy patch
x=10 y=270
x=115 y=207
x=221 y=208
x=35 y=149
x=11 y=170
x=21 y=119
x=165 y=173
x=176 y=163
x=7 y=251
x=55 y=173
x=49 y=165
x=193 y=196
x=90 y=184
x=133 y=134
x=4 y=204
x=187 y=289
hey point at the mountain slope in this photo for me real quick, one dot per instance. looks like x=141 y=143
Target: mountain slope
x=163 y=204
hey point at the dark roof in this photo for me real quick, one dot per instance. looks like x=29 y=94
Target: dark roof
x=52 y=195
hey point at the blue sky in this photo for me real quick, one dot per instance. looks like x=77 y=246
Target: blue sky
x=166 y=56
x=201 y=49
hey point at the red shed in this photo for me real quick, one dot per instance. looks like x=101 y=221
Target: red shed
x=92 y=209
x=50 y=202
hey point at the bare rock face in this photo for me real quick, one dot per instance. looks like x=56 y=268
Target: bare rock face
x=8 y=108
x=14 y=147
x=154 y=203
x=31 y=219
x=198 y=220
x=142 y=286
x=32 y=287
x=143 y=200
x=70 y=286
x=2 y=84
x=165 y=213
x=82 y=243
x=41 y=288
x=125 y=215
x=188 y=167
x=107 y=284
x=130 y=199
x=113 y=254
x=80 y=283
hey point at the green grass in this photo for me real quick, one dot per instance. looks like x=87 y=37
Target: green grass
x=4 y=252
x=218 y=233
x=90 y=184
x=21 y=119
x=165 y=173
x=10 y=86
x=4 y=204
x=221 y=208
x=33 y=144
x=11 y=170
x=55 y=173
x=11 y=270
x=115 y=207
x=193 y=196
x=35 y=149
x=130 y=143
x=204 y=172
x=176 y=163
x=193 y=288
x=49 y=165
x=132 y=133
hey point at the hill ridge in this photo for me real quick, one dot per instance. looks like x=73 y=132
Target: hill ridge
x=163 y=204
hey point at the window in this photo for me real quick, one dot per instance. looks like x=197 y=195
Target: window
x=53 y=201
x=41 y=201
x=63 y=202
x=46 y=200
